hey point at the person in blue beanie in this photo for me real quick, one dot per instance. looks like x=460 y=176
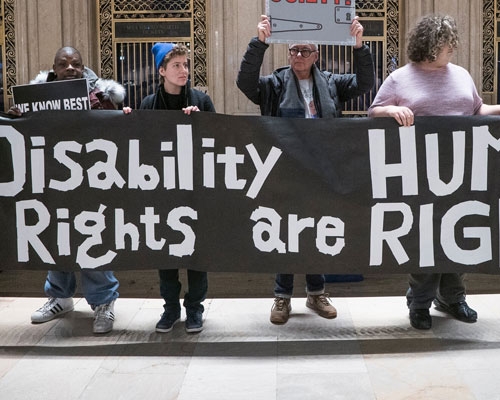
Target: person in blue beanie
x=174 y=93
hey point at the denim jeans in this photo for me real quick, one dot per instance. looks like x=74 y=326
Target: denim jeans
x=315 y=284
x=98 y=287
x=424 y=288
x=170 y=289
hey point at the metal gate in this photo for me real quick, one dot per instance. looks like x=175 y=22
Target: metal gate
x=129 y=29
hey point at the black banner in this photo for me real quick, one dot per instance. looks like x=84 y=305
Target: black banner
x=159 y=189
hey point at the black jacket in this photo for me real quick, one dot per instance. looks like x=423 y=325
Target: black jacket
x=192 y=97
x=267 y=91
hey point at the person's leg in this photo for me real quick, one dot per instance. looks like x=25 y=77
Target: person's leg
x=317 y=299
x=419 y=297
x=283 y=285
x=100 y=289
x=59 y=286
x=315 y=284
x=450 y=298
x=422 y=290
x=283 y=290
x=170 y=289
x=197 y=293
x=451 y=288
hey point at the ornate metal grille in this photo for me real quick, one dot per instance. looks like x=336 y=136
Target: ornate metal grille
x=490 y=17
x=380 y=19
x=128 y=30
x=8 y=52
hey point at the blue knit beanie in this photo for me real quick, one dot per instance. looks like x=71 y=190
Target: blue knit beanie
x=160 y=50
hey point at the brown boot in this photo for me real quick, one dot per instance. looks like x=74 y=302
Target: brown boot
x=280 y=310
x=321 y=304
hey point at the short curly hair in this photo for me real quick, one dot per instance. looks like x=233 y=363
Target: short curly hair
x=178 y=50
x=430 y=36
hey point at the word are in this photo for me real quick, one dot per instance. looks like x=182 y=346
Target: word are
x=267 y=230
x=91 y=224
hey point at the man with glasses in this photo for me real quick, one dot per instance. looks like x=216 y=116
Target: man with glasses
x=301 y=90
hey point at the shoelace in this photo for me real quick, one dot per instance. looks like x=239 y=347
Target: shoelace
x=323 y=298
x=48 y=305
x=279 y=304
x=104 y=312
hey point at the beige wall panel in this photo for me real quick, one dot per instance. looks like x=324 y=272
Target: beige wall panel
x=216 y=59
x=80 y=35
x=240 y=28
x=467 y=13
x=46 y=31
x=22 y=17
x=46 y=25
x=474 y=40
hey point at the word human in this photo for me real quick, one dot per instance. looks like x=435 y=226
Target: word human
x=405 y=175
x=71 y=104
x=104 y=175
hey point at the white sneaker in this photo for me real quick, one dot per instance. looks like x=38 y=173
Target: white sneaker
x=54 y=307
x=104 y=316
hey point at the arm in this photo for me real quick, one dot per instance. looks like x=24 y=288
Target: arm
x=350 y=86
x=487 y=109
x=357 y=32
x=198 y=101
x=403 y=115
x=249 y=73
x=386 y=102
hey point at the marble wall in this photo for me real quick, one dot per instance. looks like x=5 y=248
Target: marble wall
x=42 y=26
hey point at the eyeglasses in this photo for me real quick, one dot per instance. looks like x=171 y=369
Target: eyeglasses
x=303 y=52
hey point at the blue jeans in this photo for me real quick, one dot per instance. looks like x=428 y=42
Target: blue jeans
x=98 y=287
x=315 y=284
x=170 y=289
x=424 y=288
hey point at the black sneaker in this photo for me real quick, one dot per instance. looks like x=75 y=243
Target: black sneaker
x=460 y=310
x=421 y=319
x=194 y=322
x=167 y=322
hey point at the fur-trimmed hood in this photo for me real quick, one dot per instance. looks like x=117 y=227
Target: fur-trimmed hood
x=110 y=89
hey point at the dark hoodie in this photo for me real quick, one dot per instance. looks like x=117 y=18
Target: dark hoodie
x=190 y=97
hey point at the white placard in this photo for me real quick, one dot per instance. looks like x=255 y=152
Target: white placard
x=311 y=21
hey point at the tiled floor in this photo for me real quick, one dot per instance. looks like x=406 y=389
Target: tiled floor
x=368 y=352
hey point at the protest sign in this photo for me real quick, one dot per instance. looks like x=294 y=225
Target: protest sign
x=311 y=21
x=160 y=189
x=71 y=94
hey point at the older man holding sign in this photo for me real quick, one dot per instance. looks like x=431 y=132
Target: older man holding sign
x=301 y=90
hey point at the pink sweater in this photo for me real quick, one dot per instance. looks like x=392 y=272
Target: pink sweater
x=447 y=91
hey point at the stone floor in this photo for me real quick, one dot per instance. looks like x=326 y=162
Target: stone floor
x=368 y=352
